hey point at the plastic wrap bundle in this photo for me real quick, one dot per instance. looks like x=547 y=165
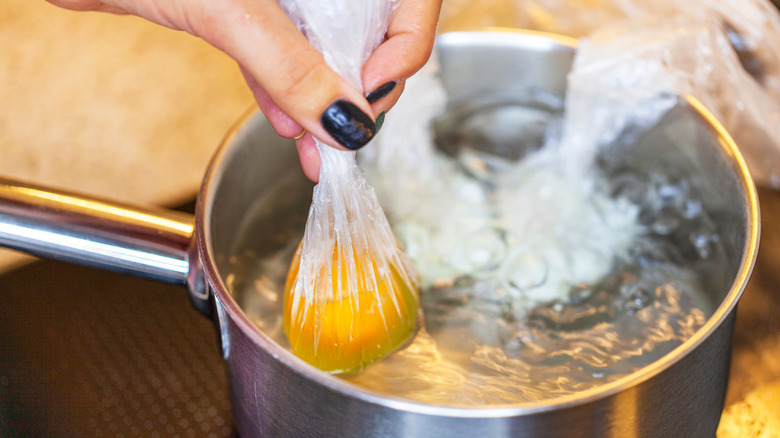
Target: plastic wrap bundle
x=351 y=296
x=723 y=52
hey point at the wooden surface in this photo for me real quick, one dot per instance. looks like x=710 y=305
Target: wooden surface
x=110 y=105
x=753 y=398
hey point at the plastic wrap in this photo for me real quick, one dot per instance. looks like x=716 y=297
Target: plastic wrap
x=402 y=159
x=723 y=52
x=351 y=296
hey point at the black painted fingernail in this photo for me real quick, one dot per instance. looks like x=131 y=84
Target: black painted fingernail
x=381 y=92
x=346 y=123
x=380 y=120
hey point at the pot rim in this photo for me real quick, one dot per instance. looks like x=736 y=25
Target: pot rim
x=304 y=370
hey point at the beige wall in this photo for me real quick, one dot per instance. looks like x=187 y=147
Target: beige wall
x=110 y=105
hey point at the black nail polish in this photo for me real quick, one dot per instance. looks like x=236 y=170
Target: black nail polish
x=380 y=120
x=346 y=123
x=381 y=92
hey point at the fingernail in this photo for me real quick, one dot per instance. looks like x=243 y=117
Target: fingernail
x=346 y=123
x=381 y=92
x=380 y=120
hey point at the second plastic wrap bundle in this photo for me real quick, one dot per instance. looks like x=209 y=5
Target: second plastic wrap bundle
x=722 y=52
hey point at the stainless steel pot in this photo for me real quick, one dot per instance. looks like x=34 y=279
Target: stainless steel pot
x=275 y=394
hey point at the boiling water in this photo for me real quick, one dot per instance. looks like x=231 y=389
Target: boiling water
x=480 y=346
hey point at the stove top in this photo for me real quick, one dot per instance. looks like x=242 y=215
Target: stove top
x=88 y=353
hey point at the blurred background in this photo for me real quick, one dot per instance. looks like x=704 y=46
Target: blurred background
x=119 y=108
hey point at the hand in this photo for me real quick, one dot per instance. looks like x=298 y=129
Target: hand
x=293 y=86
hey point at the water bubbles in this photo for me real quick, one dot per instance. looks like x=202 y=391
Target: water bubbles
x=524 y=271
x=664 y=204
x=645 y=255
x=514 y=345
x=670 y=193
x=635 y=297
x=693 y=209
x=630 y=186
x=485 y=248
x=704 y=241
x=668 y=206
x=579 y=293
x=677 y=229
x=666 y=220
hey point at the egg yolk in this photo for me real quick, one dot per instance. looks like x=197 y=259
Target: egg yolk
x=344 y=332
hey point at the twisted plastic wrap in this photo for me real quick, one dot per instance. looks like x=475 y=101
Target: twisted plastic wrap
x=351 y=296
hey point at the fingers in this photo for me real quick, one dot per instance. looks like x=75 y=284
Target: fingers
x=281 y=122
x=310 y=157
x=407 y=48
x=292 y=74
x=286 y=127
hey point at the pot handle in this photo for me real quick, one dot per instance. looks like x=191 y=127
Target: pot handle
x=144 y=242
